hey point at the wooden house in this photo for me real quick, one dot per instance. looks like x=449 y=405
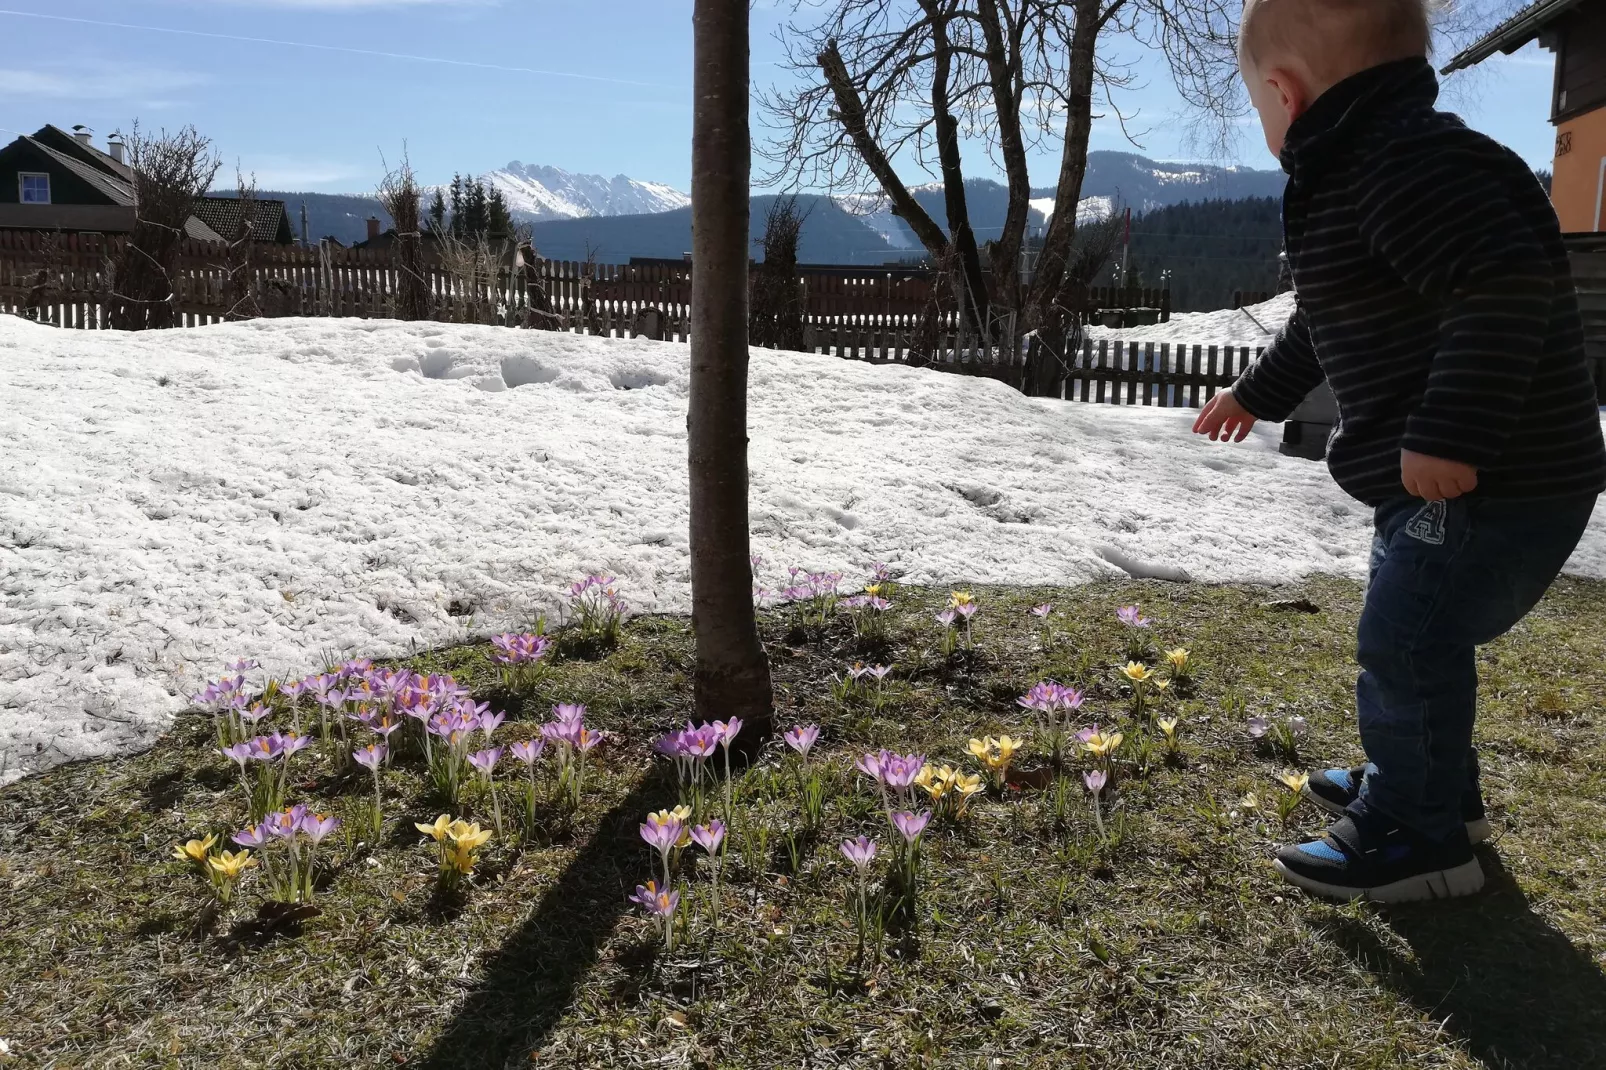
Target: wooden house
x=1575 y=30
x=53 y=180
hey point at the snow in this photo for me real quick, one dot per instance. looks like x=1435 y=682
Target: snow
x=296 y=490
x=536 y=192
x=1087 y=209
x=1252 y=326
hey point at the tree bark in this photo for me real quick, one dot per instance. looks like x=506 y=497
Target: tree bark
x=732 y=677
x=1056 y=251
x=970 y=283
x=850 y=113
x=1005 y=73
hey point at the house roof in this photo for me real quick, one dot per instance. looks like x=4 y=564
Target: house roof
x=62 y=141
x=224 y=215
x=1511 y=34
x=115 y=189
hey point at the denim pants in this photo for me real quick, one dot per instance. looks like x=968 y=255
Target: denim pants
x=1445 y=578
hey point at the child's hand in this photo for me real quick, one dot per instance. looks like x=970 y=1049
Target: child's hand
x=1435 y=479
x=1223 y=419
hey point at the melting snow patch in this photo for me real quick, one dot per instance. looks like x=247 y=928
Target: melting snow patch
x=290 y=496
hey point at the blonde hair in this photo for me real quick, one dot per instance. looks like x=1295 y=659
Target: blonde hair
x=1333 y=38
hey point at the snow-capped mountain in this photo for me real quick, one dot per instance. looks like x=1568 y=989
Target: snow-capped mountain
x=535 y=192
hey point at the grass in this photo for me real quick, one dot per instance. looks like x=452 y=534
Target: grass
x=1037 y=943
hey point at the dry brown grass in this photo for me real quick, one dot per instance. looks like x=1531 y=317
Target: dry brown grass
x=1037 y=945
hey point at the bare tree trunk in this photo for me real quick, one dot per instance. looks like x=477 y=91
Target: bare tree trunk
x=1004 y=70
x=850 y=113
x=732 y=676
x=1056 y=251
x=969 y=282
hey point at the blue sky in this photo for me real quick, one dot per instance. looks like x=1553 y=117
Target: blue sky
x=600 y=86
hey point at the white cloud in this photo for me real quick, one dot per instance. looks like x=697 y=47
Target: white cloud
x=140 y=85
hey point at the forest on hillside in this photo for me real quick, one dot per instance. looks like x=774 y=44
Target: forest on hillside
x=1210 y=249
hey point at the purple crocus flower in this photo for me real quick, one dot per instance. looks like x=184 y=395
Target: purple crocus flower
x=527 y=751
x=370 y=757
x=569 y=713
x=243 y=665
x=870 y=765
x=662 y=835
x=318 y=826
x=284 y=824
x=911 y=825
x=1258 y=727
x=485 y=760
x=898 y=771
x=1087 y=733
x=1132 y=617
x=1095 y=780
x=290 y=742
x=802 y=737
x=1298 y=726
x=1043 y=610
x=588 y=738
x=946 y=618
x=293 y=690
x=967 y=609
x=861 y=852
x=656 y=900
x=564 y=732
x=489 y=722
x=858 y=672
x=266 y=748
x=881 y=672
x=728 y=730
x=240 y=752
x=709 y=836
x=255 y=713
x=251 y=836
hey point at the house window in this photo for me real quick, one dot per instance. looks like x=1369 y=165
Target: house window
x=35 y=189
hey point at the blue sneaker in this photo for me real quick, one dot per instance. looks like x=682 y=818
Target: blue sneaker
x=1334 y=789
x=1372 y=858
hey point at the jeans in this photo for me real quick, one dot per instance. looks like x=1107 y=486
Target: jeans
x=1445 y=578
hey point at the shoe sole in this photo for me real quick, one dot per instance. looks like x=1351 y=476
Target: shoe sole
x=1479 y=829
x=1465 y=879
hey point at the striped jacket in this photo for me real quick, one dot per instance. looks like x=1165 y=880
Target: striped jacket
x=1434 y=295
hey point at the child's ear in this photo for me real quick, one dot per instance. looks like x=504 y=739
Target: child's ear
x=1292 y=93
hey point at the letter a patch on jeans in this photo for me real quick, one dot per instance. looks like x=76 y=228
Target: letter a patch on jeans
x=1428 y=524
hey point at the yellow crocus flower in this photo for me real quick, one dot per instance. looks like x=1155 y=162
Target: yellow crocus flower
x=232 y=865
x=1294 y=782
x=1178 y=659
x=1250 y=802
x=439 y=830
x=923 y=778
x=873 y=590
x=1007 y=748
x=195 y=850
x=980 y=747
x=1137 y=672
x=1103 y=744
x=967 y=785
x=469 y=837
x=683 y=812
x=1160 y=684
x=461 y=859
x=1168 y=725
x=960 y=598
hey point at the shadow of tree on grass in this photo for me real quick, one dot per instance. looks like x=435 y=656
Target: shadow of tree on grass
x=530 y=980
x=1504 y=980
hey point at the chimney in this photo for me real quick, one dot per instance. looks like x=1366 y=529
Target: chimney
x=114 y=147
x=81 y=134
x=373 y=227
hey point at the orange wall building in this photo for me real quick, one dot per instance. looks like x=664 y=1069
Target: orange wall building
x=1575 y=30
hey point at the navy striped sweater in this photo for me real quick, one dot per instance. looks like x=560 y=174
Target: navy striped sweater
x=1434 y=295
